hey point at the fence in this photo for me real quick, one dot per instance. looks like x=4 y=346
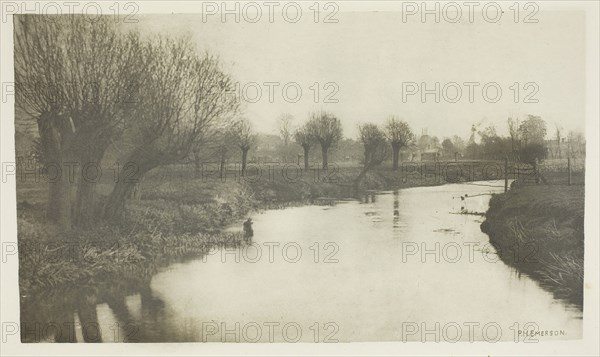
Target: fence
x=567 y=171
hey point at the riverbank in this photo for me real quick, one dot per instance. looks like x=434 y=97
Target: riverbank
x=539 y=230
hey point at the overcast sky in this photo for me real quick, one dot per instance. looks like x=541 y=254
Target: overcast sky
x=369 y=55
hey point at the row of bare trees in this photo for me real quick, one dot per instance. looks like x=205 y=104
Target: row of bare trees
x=89 y=85
x=326 y=130
x=236 y=136
x=377 y=142
x=323 y=128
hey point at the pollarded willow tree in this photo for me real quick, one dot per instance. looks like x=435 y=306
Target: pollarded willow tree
x=244 y=138
x=285 y=122
x=376 y=148
x=72 y=77
x=223 y=149
x=183 y=100
x=304 y=138
x=372 y=139
x=326 y=128
x=400 y=135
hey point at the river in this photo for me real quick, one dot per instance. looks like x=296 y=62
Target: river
x=404 y=265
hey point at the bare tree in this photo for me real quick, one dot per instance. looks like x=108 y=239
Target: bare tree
x=371 y=137
x=558 y=138
x=184 y=98
x=244 y=138
x=375 y=145
x=576 y=144
x=72 y=76
x=304 y=138
x=513 y=130
x=223 y=151
x=222 y=146
x=400 y=135
x=326 y=128
x=214 y=143
x=285 y=122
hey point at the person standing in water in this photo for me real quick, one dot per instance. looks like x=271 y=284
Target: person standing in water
x=248 y=232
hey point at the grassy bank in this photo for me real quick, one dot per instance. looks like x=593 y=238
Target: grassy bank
x=539 y=229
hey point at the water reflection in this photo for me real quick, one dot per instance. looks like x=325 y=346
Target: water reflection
x=369 y=197
x=109 y=313
x=88 y=317
x=396 y=221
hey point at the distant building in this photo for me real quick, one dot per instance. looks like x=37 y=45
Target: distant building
x=431 y=155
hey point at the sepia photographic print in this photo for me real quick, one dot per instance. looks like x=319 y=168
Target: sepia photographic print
x=299 y=178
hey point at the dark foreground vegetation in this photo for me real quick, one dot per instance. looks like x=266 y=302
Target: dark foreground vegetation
x=539 y=229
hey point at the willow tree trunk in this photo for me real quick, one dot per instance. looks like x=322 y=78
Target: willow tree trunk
x=360 y=177
x=124 y=188
x=59 y=204
x=115 y=206
x=58 y=207
x=138 y=187
x=306 y=150
x=367 y=158
x=222 y=167
x=244 y=159
x=197 y=165
x=395 y=156
x=84 y=207
x=535 y=171
x=85 y=210
x=324 y=150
